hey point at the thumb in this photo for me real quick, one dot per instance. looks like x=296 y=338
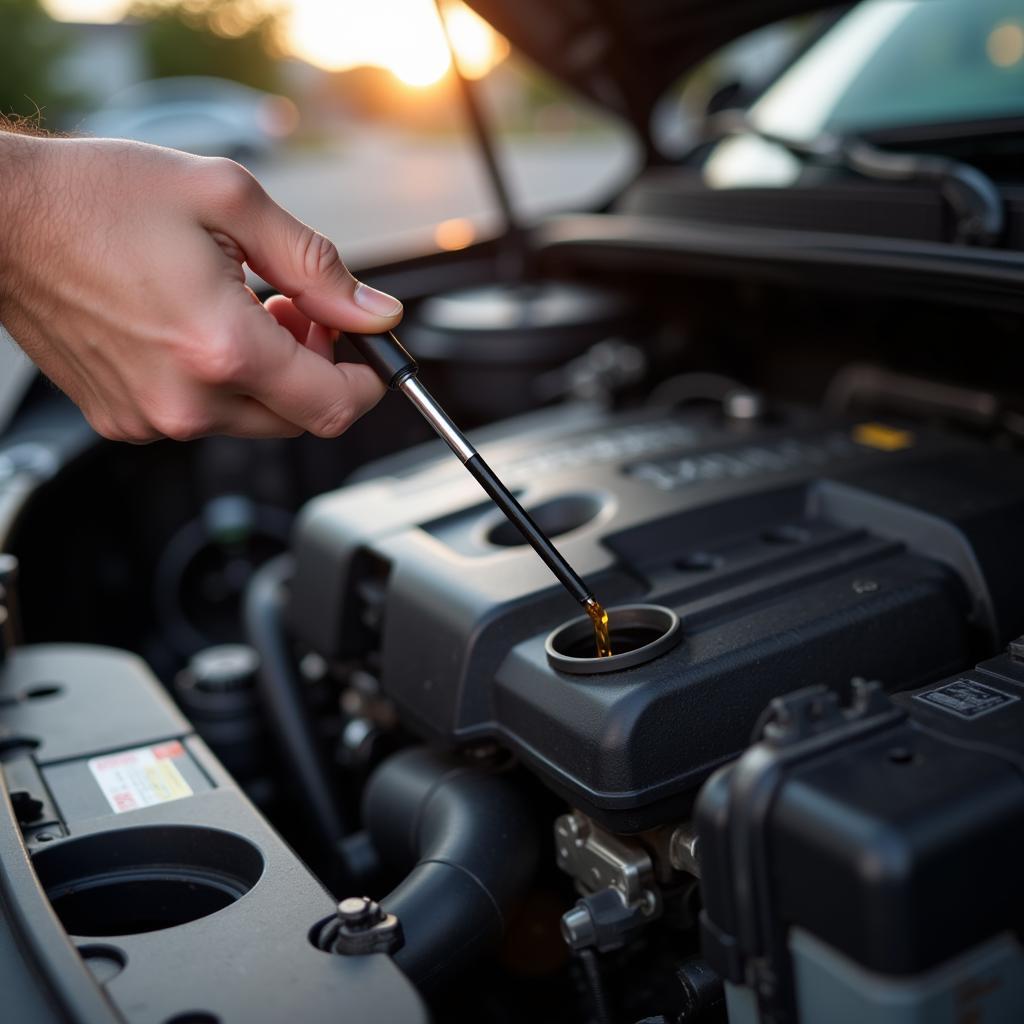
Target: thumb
x=303 y=264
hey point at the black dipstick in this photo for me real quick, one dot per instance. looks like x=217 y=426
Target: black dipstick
x=385 y=354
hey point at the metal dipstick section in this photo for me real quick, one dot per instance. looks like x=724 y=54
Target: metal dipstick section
x=437 y=418
x=388 y=358
x=496 y=490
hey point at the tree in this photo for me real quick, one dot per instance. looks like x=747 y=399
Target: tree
x=225 y=38
x=31 y=43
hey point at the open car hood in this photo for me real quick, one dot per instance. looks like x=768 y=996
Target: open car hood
x=624 y=54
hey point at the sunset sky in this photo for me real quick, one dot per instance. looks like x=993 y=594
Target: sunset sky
x=403 y=36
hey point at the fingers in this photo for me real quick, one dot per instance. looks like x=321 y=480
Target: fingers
x=287 y=315
x=294 y=258
x=321 y=341
x=225 y=415
x=296 y=382
x=242 y=416
x=315 y=337
x=318 y=396
x=282 y=363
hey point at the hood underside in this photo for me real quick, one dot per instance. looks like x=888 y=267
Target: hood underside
x=624 y=54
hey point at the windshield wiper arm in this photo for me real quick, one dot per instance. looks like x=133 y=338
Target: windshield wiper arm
x=972 y=195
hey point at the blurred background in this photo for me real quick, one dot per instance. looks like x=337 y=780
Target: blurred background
x=347 y=111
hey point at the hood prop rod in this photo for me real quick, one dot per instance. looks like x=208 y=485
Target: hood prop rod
x=513 y=248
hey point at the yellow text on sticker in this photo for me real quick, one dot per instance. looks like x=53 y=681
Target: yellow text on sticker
x=166 y=781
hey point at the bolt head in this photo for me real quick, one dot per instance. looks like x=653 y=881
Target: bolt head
x=682 y=849
x=358 y=912
x=579 y=827
x=360 y=927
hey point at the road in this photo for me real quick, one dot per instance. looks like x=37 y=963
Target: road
x=381 y=195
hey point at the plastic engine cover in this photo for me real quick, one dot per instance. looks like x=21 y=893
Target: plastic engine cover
x=795 y=551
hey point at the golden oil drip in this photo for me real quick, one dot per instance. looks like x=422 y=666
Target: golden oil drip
x=602 y=635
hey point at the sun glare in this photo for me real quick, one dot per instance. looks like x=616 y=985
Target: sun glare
x=402 y=36
x=102 y=11
x=477 y=46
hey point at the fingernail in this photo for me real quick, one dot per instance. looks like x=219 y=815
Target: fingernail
x=375 y=302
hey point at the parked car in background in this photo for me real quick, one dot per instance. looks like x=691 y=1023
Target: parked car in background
x=206 y=116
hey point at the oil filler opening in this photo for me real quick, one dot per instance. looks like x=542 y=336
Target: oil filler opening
x=639 y=633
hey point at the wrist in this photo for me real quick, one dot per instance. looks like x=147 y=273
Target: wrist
x=21 y=189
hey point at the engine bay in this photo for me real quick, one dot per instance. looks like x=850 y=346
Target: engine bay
x=373 y=747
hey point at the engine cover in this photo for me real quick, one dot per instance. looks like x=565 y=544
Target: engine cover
x=795 y=551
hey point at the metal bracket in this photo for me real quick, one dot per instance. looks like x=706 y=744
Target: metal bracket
x=598 y=860
x=615 y=878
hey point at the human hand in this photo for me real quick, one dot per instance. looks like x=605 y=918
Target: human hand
x=121 y=276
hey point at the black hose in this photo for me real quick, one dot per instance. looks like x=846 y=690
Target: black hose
x=472 y=836
x=974 y=198
x=595 y=986
x=281 y=693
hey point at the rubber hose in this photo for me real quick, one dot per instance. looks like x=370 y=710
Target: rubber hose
x=473 y=840
x=281 y=692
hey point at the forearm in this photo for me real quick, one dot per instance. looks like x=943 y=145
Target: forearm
x=21 y=188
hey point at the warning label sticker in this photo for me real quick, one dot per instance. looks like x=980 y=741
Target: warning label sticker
x=967 y=698
x=141 y=777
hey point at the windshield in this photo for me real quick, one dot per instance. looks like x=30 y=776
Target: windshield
x=903 y=62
